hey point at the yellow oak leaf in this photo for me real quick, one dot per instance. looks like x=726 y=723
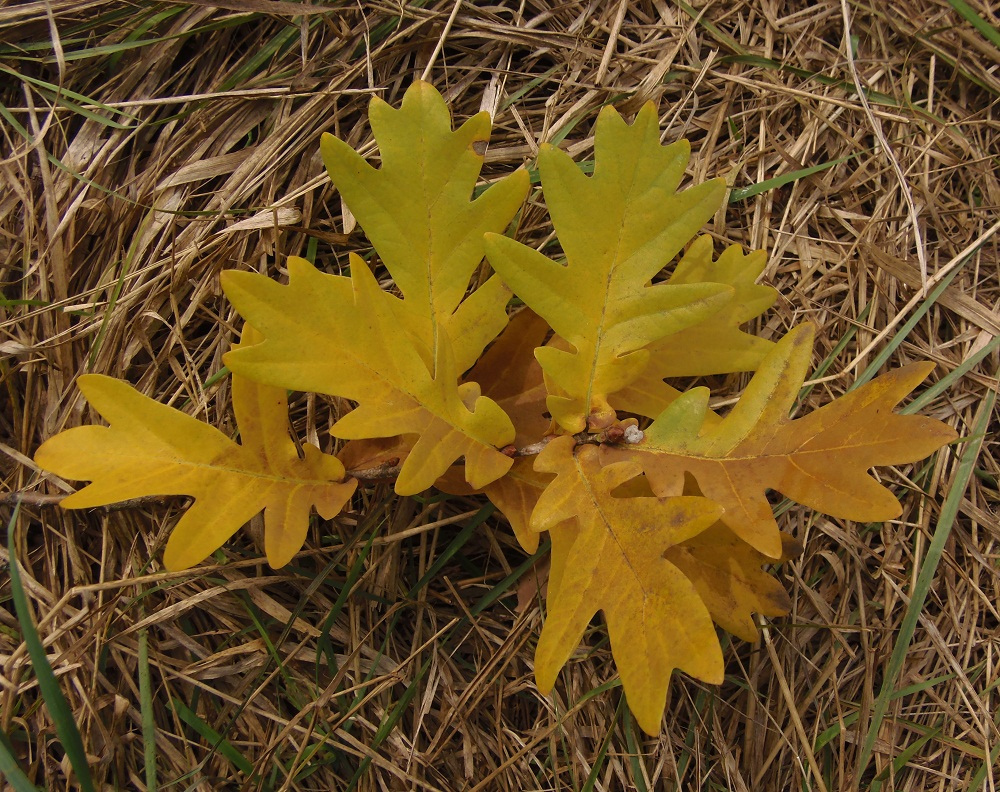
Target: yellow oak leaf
x=608 y=554
x=418 y=212
x=618 y=229
x=347 y=337
x=820 y=460
x=716 y=345
x=153 y=449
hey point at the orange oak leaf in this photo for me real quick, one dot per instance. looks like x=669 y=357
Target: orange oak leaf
x=509 y=374
x=608 y=555
x=153 y=449
x=728 y=575
x=820 y=460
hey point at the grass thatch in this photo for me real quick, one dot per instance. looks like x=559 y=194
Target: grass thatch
x=146 y=147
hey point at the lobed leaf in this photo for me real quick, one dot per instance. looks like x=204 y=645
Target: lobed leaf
x=347 y=337
x=716 y=345
x=820 y=460
x=728 y=576
x=418 y=213
x=608 y=554
x=509 y=373
x=153 y=449
x=618 y=229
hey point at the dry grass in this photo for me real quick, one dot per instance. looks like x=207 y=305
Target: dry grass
x=182 y=140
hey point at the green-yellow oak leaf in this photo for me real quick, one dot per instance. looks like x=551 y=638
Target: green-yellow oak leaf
x=419 y=212
x=820 y=460
x=608 y=555
x=618 y=229
x=347 y=337
x=715 y=345
x=152 y=449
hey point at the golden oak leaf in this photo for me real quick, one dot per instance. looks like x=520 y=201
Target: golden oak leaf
x=153 y=449
x=820 y=460
x=372 y=453
x=509 y=374
x=347 y=337
x=608 y=554
x=516 y=495
x=716 y=345
x=727 y=574
x=418 y=213
x=618 y=229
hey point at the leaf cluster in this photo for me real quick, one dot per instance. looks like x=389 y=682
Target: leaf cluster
x=561 y=412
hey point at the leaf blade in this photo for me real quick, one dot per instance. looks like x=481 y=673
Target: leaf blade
x=821 y=460
x=311 y=328
x=607 y=554
x=618 y=228
x=151 y=449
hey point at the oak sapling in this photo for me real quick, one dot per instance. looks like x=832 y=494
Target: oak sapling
x=565 y=419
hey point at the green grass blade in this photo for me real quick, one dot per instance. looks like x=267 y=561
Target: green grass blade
x=635 y=752
x=386 y=727
x=806 y=74
x=55 y=701
x=950 y=379
x=900 y=761
x=992 y=760
x=146 y=708
x=928 y=568
x=602 y=754
x=503 y=587
x=212 y=737
x=73 y=100
x=968 y=13
x=456 y=544
x=904 y=331
x=11 y=771
x=786 y=178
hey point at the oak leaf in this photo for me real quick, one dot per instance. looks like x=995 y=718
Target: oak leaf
x=618 y=229
x=728 y=576
x=820 y=460
x=608 y=554
x=153 y=449
x=716 y=345
x=347 y=337
x=417 y=211
x=509 y=373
